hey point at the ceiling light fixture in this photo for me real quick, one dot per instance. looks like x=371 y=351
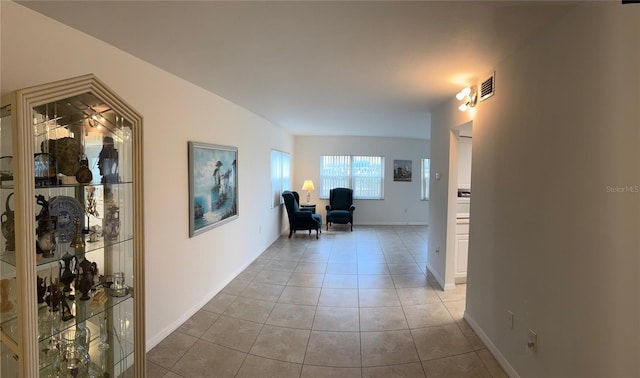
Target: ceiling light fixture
x=469 y=98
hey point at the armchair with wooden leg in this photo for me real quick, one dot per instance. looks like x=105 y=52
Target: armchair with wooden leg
x=300 y=219
x=340 y=208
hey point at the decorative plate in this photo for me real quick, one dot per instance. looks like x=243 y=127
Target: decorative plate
x=67 y=210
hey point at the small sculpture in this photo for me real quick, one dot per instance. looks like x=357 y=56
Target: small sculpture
x=65 y=310
x=87 y=271
x=67 y=275
x=46 y=238
x=108 y=162
x=78 y=238
x=111 y=229
x=8 y=226
x=53 y=297
x=41 y=288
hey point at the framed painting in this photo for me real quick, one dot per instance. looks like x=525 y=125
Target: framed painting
x=402 y=170
x=213 y=186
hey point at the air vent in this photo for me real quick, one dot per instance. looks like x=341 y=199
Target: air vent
x=487 y=88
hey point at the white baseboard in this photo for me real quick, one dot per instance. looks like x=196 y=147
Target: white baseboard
x=506 y=366
x=438 y=278
x=390 y=224
x=156 y=339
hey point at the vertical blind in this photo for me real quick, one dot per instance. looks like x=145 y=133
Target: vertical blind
x=425 y=180
x=280 y=176
x=364 y=174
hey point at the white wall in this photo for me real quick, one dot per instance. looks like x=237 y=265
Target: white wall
x=181 y=273
x=444 y=191
x=555 y=211
x=398 y=196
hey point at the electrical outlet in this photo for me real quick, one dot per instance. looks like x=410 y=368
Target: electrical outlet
x=510 y=319
x=532 y=342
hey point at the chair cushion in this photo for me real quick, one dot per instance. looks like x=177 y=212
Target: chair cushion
x=339 y=214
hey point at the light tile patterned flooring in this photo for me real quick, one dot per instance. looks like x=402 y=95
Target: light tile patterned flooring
x=351 y=304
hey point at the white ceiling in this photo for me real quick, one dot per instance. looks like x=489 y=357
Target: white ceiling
x=319 y=67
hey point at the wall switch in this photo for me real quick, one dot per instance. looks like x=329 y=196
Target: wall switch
x=510 y=319
x=532 y=342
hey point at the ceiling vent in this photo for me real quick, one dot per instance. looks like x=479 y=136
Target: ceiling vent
x=487 y=88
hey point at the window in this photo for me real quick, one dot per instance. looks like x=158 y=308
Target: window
x=364 y=174
x=425 y=180
x=280 y=176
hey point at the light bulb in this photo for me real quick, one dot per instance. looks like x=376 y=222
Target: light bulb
x=462 y=107
x=460 y=96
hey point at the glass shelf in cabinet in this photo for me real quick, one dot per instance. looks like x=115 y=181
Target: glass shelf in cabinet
x=9 y=257
x=82 y=310
x=119 y=349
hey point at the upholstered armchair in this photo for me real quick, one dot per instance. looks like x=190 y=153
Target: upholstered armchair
x=300 y=219
x=340 y=208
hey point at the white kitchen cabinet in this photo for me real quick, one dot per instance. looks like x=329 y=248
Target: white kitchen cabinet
x=462 y=252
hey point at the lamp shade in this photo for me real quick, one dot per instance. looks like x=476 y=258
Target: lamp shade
x=308 y=185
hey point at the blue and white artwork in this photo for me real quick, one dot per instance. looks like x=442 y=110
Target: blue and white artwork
x=213 y=186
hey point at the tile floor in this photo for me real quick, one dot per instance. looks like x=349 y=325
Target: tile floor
x=351 y=304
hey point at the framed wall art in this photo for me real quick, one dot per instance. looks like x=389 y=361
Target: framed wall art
x=402 y=170
x=213 y=186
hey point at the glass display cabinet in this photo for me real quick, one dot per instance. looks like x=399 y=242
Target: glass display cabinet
x=72 y=247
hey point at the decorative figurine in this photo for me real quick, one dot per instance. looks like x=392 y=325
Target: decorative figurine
x=84 y=175
x=53 y=297
x=8 y=226
x=78 y=237
x=87 y=271
x=41 y=288
x=111 y=221
x=108 y=162
x=67 y=275
x=65 y=310
x=46 y=230
x=111 y=228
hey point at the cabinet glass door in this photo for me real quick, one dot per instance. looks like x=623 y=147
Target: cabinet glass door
x=84 y=237
x=8 y=297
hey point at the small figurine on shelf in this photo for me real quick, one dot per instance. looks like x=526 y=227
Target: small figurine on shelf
x=8 y=226
x=67 y=275
x=46 y=230
x=87 y=271
x=91 y=209
x=108 y=162
x=111 y=222
x=53 y=297
x=78 y=237
x=83 y=174
x=65 y=310
x=41 y=284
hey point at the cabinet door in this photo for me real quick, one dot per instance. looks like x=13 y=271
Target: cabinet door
x=462 y=251
x=75 y=258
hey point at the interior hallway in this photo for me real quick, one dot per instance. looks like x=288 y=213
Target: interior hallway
x=351 y=304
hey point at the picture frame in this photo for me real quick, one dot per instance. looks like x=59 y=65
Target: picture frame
x=213 y=186
x=402 y=170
